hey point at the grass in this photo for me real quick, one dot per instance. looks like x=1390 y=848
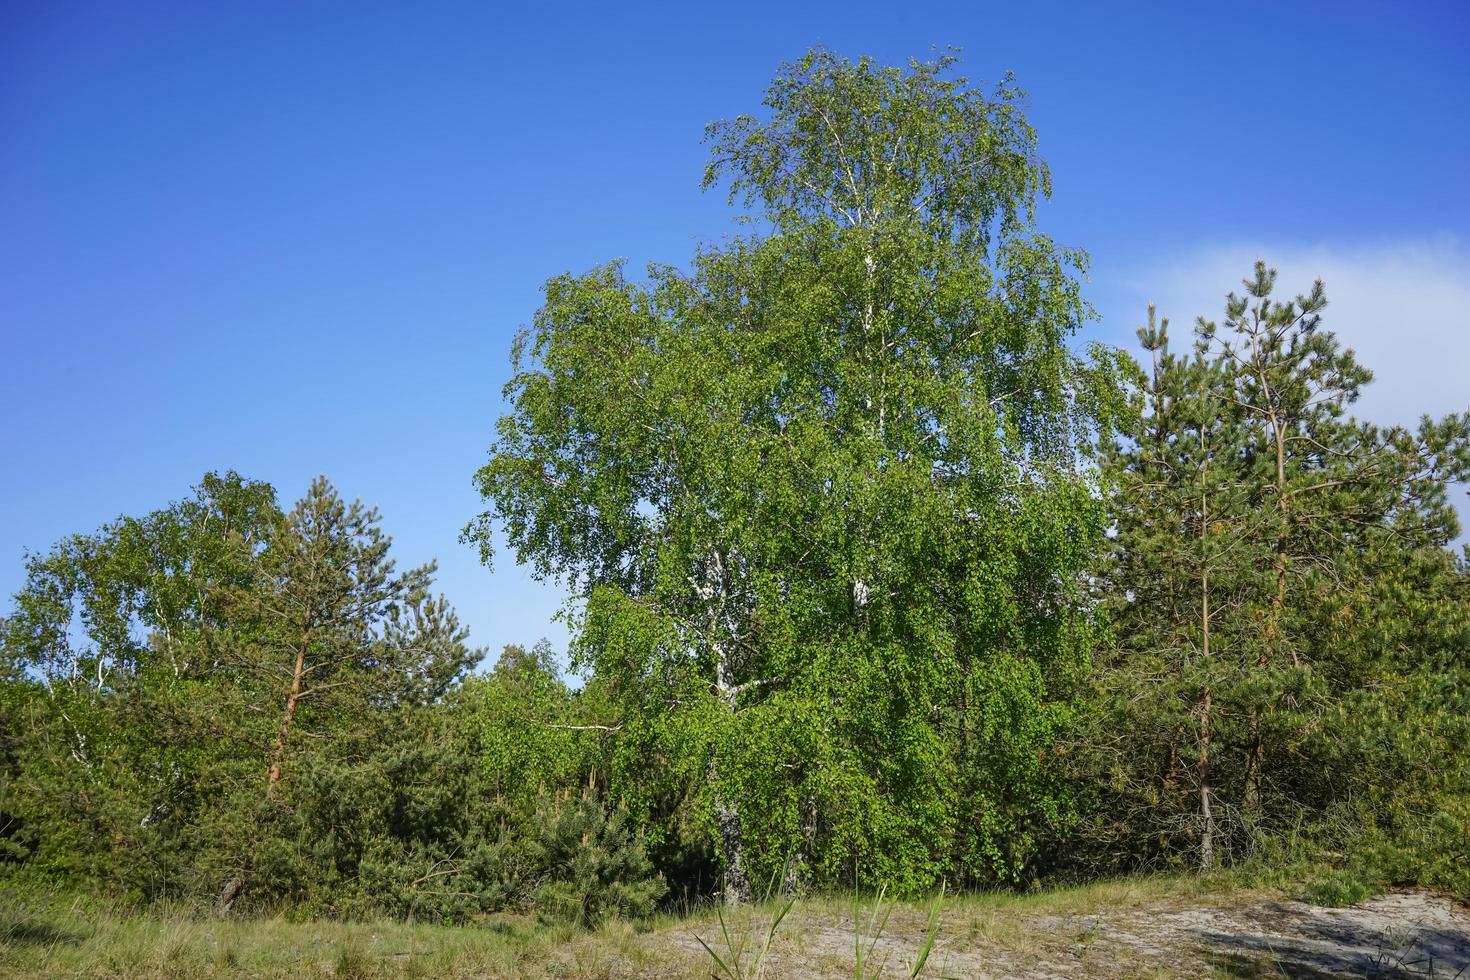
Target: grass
x=729 y=962
x=952 y=935
x=57 y=941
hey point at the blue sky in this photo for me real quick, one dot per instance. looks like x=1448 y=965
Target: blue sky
x=297 y=238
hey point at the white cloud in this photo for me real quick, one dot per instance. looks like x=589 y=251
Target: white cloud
x=1404 y=307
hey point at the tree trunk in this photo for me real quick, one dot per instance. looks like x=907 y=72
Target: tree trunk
x=736 y=885
x=1207 y=815
x=1283 y=544
x=1255 y=757
x=228 y=894
x=278 y=751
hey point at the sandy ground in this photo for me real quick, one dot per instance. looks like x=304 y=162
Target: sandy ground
x=1406 y=934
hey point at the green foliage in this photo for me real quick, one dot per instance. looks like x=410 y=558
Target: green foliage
x=592 y=861
x=1337 y=890
x=529 y=727
x=225 y=704
x=1398 y=754
x=1292 y=630
x=824 y=497
x=177 y=670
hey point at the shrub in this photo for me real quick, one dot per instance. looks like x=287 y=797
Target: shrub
x=593 y=860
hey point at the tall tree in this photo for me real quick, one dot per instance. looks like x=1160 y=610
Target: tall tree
x=824 y=496
x=1336 y=491
x=1249 y=491
x=1175 y=593
x=327 y=634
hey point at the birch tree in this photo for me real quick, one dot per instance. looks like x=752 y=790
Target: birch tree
x=823 y=497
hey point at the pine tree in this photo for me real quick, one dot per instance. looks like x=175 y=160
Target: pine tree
x=1171 y=584
x=327 y=634
x=1257 y=519
x=184 y=661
